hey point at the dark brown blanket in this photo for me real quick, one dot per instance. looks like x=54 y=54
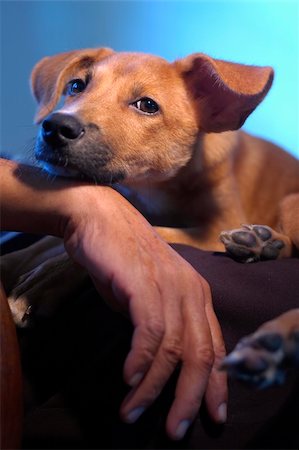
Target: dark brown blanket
x=72 y=368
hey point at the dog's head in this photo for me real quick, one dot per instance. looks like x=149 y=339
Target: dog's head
x=132 y=117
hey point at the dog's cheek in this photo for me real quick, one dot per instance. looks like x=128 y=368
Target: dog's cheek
x=146 y=146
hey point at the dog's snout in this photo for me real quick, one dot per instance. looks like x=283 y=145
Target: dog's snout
x=59 y=128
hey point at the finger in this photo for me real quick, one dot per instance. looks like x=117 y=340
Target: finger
x=164 y=363
x=146 y=340
x=216 y=396
x=148 y=318
x=198 y=358
x=145 y=309
x=143 y=395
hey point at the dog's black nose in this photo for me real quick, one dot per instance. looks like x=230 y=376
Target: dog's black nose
x=59 y=128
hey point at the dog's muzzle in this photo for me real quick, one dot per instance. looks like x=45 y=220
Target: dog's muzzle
x=67 y=148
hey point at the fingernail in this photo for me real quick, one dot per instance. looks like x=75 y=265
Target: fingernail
x=136 y=379
x=134 y=414
x=182 y=428
x=222 y=413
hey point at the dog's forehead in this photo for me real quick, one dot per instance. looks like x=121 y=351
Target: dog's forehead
x=125 y=64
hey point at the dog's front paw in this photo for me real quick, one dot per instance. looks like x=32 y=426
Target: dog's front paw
x=255 y=243
x=261 y=359
x=257 y=360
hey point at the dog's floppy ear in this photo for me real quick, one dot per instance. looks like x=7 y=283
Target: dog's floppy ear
x=49 y=76
x=225 y=93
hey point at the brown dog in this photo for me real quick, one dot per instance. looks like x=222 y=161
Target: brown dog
x=166 y=136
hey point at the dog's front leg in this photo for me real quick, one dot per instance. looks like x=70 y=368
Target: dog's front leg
x=289 y=218
x=196 y=237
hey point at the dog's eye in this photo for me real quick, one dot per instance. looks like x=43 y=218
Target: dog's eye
x=74 y=87
x=146 y=105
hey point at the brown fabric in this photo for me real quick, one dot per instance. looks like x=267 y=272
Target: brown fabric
x=72 y=367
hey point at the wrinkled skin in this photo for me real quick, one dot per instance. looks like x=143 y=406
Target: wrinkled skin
x=173 y=316
x=136 y=272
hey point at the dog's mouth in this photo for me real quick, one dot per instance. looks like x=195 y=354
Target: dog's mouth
x=60 y=166
x=86 y=158
x=56 y=165
x=60 y=171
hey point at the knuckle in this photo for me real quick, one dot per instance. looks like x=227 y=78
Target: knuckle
x=220 y=352
x=206 y=290
x=172 y=350
x=206 y=286
x=219 y=360
x=153 y=330
x=203 y=358
x=144 y=355
x=147 y=339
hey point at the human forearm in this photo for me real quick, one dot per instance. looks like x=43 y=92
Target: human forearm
x=31 y=202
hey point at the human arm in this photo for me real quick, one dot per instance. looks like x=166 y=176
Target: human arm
x=168 y=302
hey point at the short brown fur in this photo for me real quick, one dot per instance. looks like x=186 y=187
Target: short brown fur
x=188 y=168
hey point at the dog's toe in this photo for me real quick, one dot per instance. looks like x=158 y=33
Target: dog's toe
x=270 y=341
x=241 y=253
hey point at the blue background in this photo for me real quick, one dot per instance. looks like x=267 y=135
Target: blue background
x=252 y=32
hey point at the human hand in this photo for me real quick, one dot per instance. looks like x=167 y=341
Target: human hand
x=168 y=302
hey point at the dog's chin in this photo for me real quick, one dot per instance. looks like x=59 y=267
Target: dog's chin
x=59 y=171
x=104 y=177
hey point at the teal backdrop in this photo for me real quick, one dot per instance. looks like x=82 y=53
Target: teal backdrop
x=252 y=32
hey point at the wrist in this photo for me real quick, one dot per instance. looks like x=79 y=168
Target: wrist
x=84 y=205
